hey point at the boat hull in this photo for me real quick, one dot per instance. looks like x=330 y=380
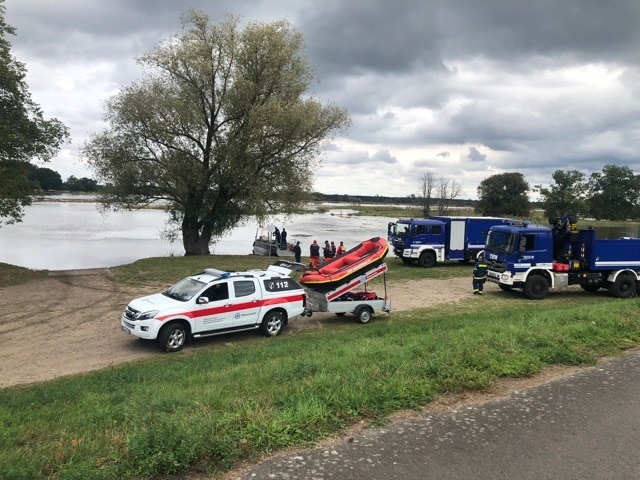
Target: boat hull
x=344 y=268
x=265 y=248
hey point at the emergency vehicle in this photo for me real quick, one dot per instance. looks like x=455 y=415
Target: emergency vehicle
x=426 y=241
x=538 y=258
x=214 y=302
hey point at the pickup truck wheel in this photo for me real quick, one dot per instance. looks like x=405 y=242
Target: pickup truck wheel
x=273 y=324
x=427 y=259
x=172 y=337
x=536 y=287
x=623 y=287
x=364 y=315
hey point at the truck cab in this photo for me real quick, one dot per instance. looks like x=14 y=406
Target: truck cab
x=513 y=251
x=418 y=240
x=536 y=259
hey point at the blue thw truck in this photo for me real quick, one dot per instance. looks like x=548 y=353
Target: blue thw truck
x=426 y=241
x=536 y=259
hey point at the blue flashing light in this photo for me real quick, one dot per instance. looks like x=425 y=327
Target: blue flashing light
x=225 y=275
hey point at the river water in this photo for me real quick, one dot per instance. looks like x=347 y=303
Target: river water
x=59 y=235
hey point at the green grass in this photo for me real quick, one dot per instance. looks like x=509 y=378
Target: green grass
x=13 y=275
x=205 y=409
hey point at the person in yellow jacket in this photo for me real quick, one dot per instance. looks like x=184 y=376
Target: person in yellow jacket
x=479 y=275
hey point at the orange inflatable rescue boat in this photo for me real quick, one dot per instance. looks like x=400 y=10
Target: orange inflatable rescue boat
x=341 y=269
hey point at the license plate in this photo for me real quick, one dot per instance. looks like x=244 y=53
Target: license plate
x=125 y=329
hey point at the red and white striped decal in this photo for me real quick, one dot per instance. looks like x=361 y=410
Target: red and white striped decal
x=235 y=307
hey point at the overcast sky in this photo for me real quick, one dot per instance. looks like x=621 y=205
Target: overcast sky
x=462 y=88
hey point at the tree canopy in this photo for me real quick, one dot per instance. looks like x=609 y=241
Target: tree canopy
x=24 y=133
x=221 y=128
x=504 y=194
x=615 y=193
x=567 y=193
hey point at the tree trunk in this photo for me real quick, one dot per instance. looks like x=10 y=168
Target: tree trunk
x=194 y=242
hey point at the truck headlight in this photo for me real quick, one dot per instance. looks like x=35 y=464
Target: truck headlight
x=146 y=315
x=505 y=278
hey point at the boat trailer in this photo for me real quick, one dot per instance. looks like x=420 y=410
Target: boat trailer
x=343 y=299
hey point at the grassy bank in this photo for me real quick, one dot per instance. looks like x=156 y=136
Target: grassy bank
x=206 y=409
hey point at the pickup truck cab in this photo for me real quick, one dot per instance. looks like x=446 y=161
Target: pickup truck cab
x=215 y=302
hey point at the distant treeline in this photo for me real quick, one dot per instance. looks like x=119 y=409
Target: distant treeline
x=47 y=180
x=408 y=200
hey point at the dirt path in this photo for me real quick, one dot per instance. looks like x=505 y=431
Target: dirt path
x=69 y=322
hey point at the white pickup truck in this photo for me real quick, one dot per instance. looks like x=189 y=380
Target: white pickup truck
x=215 y=302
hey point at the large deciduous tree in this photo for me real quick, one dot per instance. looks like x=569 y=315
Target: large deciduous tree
x=567 y=193
x=24 y=134
x=221 y=128
x=504 y=194
x=614 y=193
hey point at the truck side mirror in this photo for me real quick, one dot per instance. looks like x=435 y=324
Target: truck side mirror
x=202 y=300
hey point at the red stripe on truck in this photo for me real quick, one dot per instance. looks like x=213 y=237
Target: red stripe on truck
x=234 y=307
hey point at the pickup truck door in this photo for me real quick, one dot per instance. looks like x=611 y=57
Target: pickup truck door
x=246 y=301
x=213 y=310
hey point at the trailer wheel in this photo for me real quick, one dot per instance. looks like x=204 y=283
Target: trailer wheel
x=364 y=315
x=536 y=288
x=623 y=287
x=427 y=259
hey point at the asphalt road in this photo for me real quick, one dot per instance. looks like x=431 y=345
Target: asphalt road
x=583 y=426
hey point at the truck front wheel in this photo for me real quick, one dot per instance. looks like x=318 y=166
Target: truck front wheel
x=273 y=324
x=623 y=287
x=536 y=288
x=172 y=337
x=427 y=259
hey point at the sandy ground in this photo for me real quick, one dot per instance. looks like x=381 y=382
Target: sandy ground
x=69 y=322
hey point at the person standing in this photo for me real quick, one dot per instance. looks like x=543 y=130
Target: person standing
x=283 y=245
x=276 y=234
x=326 y=251
x=314 y=254
x=340 y=249
x=333 y=250
x=297 y=252
x=479 y=275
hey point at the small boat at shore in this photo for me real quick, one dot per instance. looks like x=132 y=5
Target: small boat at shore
x=347 y=266
x=263 y=244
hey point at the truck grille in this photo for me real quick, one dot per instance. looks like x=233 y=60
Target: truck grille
x=130 y=313
x=496 y=266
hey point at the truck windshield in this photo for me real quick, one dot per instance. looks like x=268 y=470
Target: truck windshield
x=403 y=230
x=502 y=242
x=184 y=290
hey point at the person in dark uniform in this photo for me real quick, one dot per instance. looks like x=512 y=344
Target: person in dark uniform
x=283 y=235
x=314 y=254
x=479 y=275
x=276 y=233
x=297 y=252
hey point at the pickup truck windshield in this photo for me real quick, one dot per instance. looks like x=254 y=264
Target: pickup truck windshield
x=184 y=290
x=500 y=242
